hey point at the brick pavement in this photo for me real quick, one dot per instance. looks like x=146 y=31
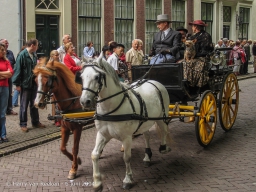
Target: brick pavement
x=227 y=165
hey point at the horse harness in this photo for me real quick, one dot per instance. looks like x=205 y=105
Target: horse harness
x=126 y=117
x=49 y=94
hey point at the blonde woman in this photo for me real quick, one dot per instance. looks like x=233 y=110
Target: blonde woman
x=54 y=56
x=70 y=58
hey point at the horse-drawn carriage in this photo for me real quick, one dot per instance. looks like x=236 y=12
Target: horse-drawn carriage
x=219 y=98
x=125 y=110
x=220 y=94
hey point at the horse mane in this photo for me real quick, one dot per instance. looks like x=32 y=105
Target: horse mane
x=107 y=68
x=62 y=71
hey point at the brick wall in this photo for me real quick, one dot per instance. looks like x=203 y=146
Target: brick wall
x=108 y=21
x=140 y=20
x=190 y=14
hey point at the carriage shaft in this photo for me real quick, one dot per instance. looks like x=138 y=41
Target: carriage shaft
x=179 y=114
x=183 y=107
x=79 y=115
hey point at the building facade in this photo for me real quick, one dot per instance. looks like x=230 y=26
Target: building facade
x=102 y=21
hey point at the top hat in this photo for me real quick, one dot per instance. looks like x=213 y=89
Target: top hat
x=198 y=22
x=181 y=28
x=162 y=18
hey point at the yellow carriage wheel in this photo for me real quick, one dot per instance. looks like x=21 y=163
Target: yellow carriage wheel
x=205 y=123
x=228 y=101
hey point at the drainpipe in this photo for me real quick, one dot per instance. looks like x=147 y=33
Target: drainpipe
x=21 y=24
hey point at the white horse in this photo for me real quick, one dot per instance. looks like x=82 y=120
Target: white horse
x=121 y=112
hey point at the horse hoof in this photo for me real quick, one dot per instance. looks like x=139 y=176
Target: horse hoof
x=166 y=150
x=122 y=149
x=127 y=186
x=146 y=163
x=79 y=161
x=98 y=189
x=71 y=175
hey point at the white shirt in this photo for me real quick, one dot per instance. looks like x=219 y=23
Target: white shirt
x=113 y=61
x=166 y=32
x=62 y=53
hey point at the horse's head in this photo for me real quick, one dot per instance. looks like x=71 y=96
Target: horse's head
x=46 y=79
x=93 y=78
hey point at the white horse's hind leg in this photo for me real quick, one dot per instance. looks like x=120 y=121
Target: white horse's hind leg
x=148 y=152
x=100 y=144
x=163 y=131
x=128 y=180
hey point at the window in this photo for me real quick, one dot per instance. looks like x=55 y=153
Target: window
x=178 y=13
x=47 y=4
x=207 y=16
x=226 y=21
x=153 y=8
x=124 y=21
x=89 y=24
x=244 y=18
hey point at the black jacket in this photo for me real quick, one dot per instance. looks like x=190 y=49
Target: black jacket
x=203 y=43
x=172 y=42
x=23 y=71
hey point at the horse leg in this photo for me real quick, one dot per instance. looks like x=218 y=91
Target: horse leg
x=101 y=141
x=163 y=132
x=148 y=152
x=64 y=139
x=128 y=180
x=76 y=160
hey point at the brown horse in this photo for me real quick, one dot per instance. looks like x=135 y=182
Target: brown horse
x=56 y=78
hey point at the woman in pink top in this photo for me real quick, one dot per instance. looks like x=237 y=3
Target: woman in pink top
x=5 y=73
x=68 y=60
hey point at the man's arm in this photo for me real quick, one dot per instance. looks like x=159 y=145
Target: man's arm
x=176 y=44
x=16 y=78
x=152 y=51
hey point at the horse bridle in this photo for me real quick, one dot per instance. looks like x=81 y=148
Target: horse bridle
x=50 y=82
x=101 y=78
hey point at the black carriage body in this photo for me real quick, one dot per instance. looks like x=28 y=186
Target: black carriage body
x=171 y=76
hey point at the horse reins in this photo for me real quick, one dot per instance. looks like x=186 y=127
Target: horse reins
x=125 y=117
x=49 y=94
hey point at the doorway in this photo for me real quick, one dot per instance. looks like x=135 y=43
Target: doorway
x=47 y=34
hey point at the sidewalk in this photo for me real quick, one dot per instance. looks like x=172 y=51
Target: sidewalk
x=19 y=140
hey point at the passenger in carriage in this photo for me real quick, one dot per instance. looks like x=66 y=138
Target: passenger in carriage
x=203 y=39
x=196 y=70
x=166 y=42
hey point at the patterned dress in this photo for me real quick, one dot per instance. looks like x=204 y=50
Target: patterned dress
x=196 y=70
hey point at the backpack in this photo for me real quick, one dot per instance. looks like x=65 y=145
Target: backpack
x=242 y=56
